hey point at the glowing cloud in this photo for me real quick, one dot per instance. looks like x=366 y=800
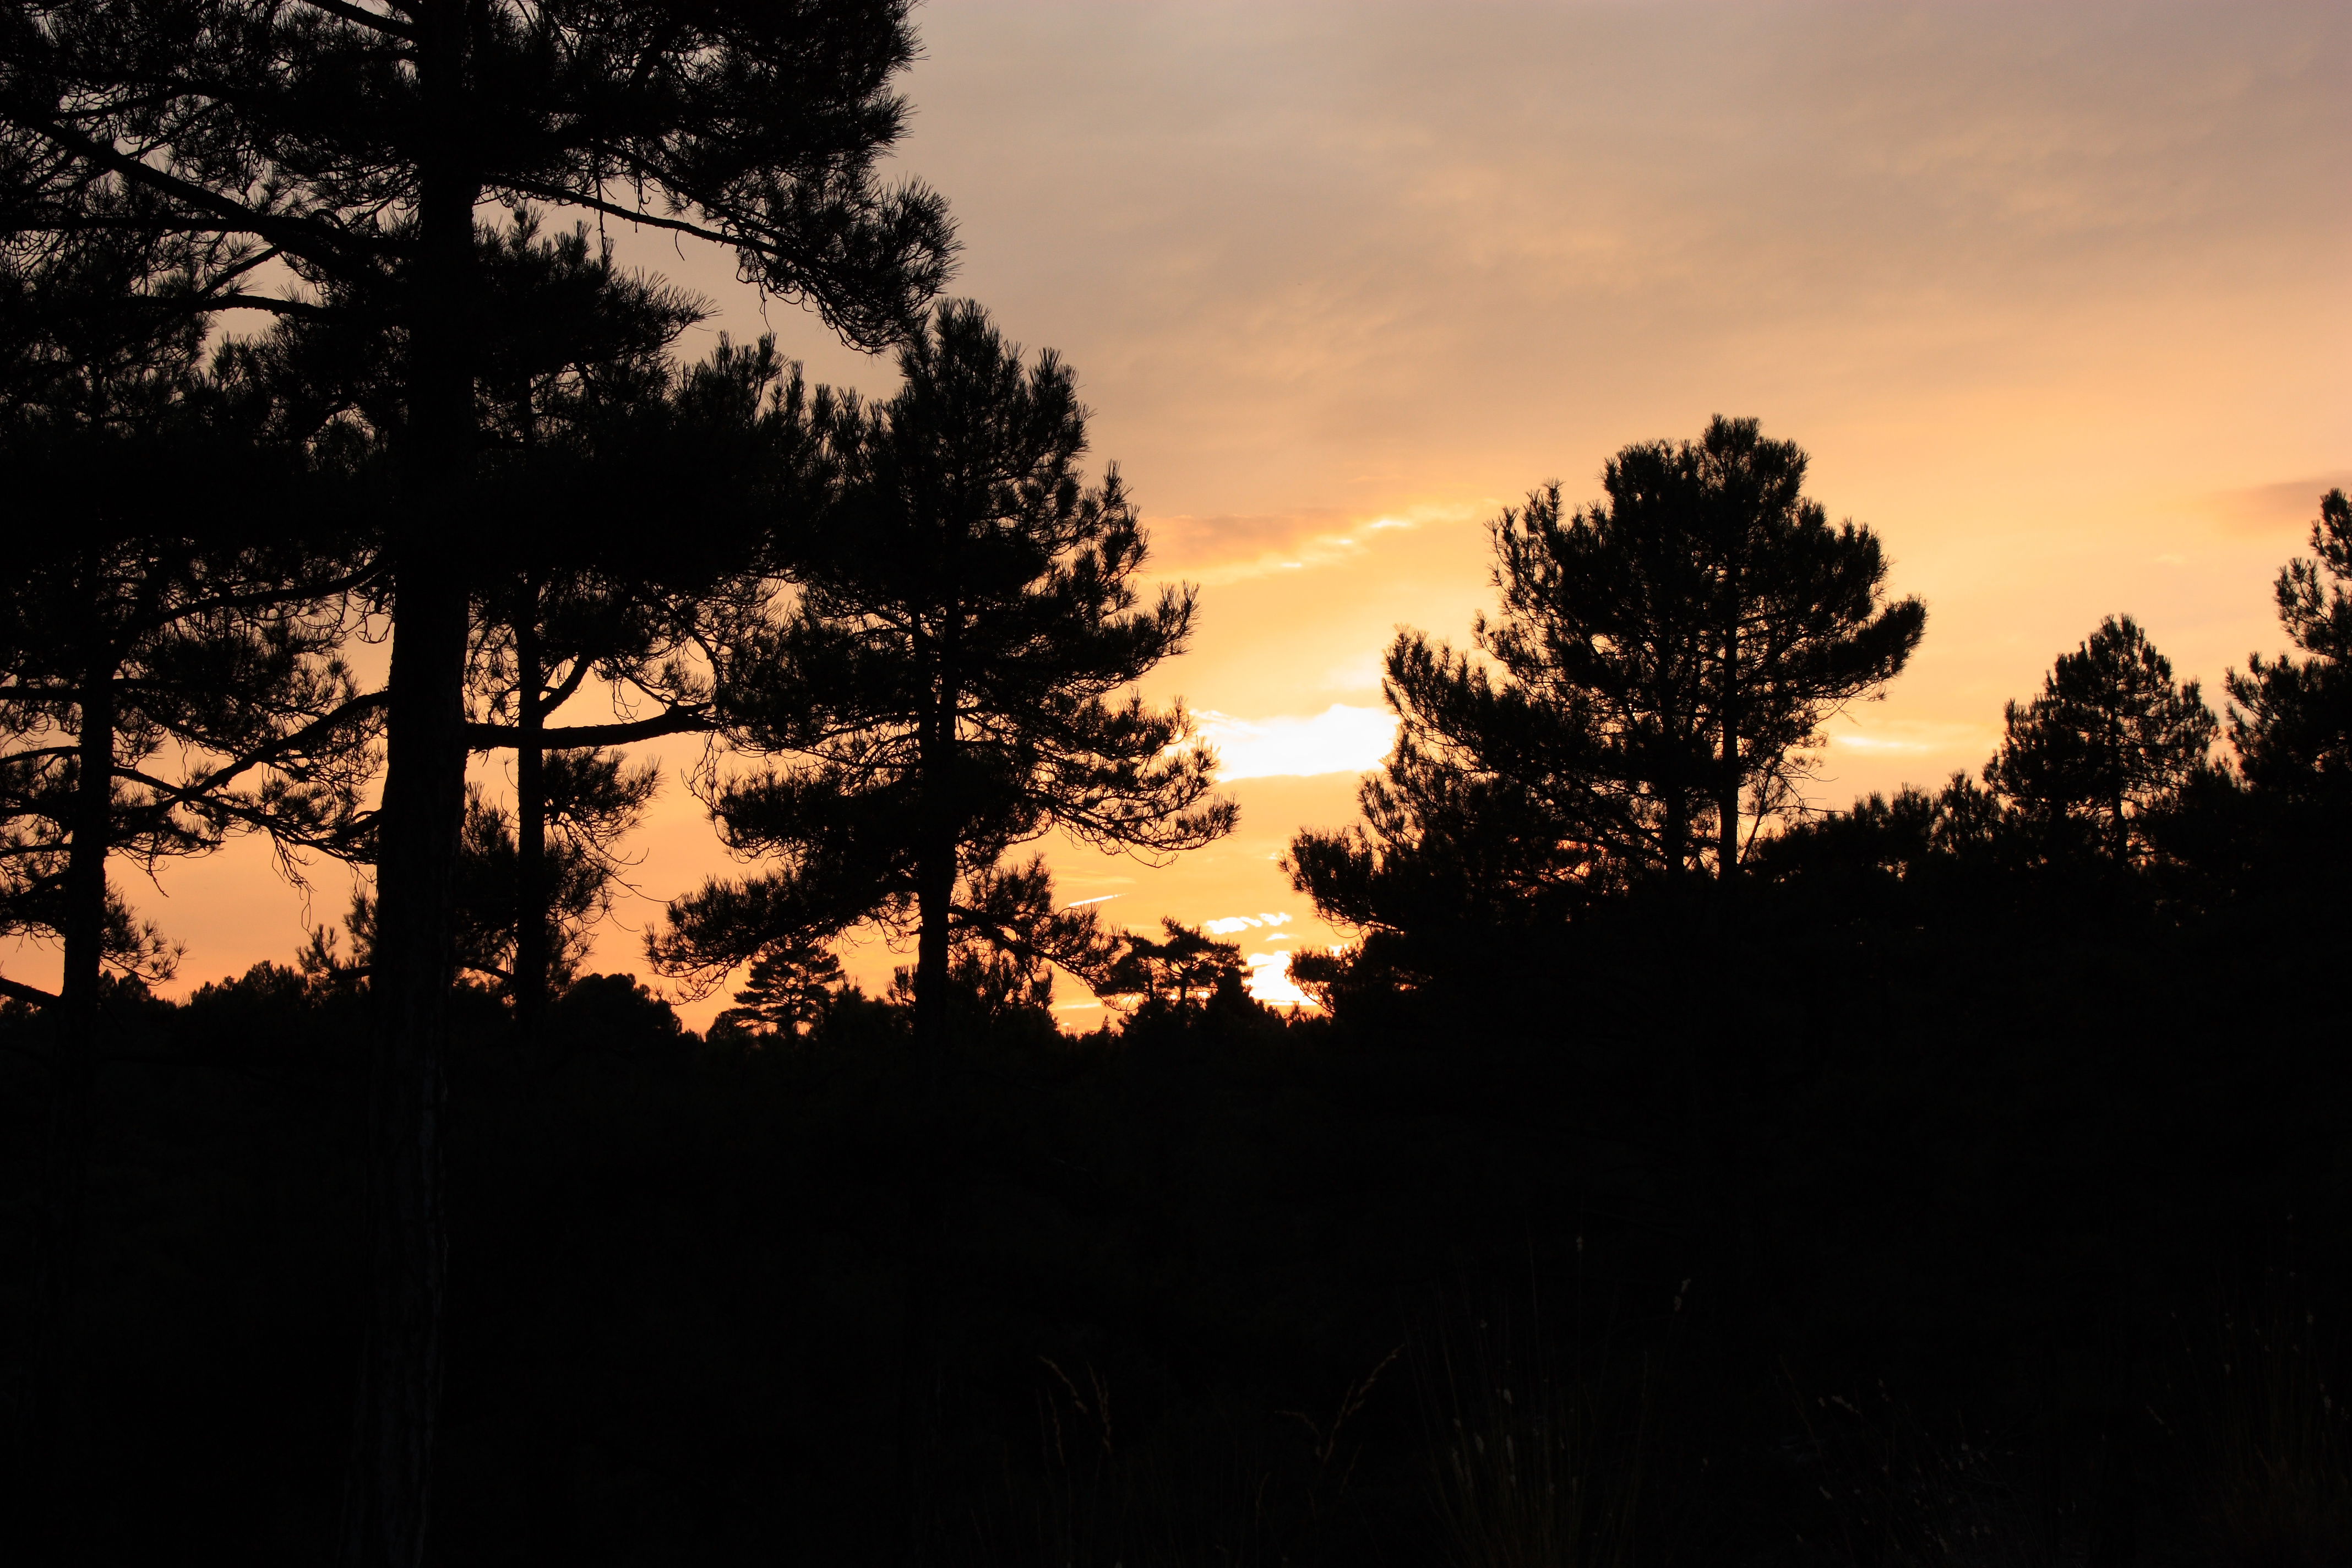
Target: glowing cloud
x=1232 y=923
x=1917 y=738
x=1269 y=981
x=1340 y=740
x=1234 y=548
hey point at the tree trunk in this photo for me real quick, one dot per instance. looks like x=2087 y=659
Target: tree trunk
x=534 y=943
x=1726 y=808
x=1726 y=848
x=65 y=1175
x=935 y=875
x=424 y=792
x=926 y=1164
x=1677 y=831
x=388 y=1486
x=935 y=861
x=2118 y=825
x=1726 y=788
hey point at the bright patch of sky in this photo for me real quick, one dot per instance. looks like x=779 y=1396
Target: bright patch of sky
x=1340 y=740
x=1269 y=981
x=2054 y=295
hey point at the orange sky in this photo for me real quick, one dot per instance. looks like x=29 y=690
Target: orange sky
x=2054 y=294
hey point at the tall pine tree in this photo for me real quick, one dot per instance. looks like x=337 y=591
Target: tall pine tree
x=170 y=664
x=352 y=144
x=955 y=676
x=1660 y=665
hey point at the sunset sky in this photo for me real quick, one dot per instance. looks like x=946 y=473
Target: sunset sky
x=2055 y=295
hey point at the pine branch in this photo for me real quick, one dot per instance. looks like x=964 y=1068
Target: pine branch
x=31 y=995
x=483 y=737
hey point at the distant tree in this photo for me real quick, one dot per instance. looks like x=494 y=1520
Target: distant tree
x=2108 y=766
x=2291 y=719
x=1876 y=839
x=1180 y=972
x=1707 y=617
x=954 y=678
x=352 y=145
x=787 y=991
x=1661 y=662
x=1911 y=860
x=614 y=1015
x=158 y=696
x=2110 y=743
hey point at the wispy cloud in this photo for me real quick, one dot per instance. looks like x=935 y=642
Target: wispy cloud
x=1232 y=547
x=1915 y=738
x=2266 y=510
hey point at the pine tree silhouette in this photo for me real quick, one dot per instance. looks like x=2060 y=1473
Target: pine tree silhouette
x=354 y=146
x=955 y=678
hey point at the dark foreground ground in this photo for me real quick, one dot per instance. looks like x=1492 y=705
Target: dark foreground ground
x=2024 y=1249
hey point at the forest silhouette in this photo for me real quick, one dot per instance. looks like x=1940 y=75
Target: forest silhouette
x=1672 y=1168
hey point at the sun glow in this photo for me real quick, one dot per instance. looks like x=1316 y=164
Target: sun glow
x=1269 y=982
x=1340 y=740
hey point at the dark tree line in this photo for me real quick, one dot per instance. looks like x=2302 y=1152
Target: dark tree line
x=1657 y=675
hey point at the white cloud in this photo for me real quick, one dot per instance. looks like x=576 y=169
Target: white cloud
x=1232 y=923
x=1269 y=981
x=1340 y=740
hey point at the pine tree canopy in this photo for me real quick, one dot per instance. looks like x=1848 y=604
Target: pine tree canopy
x=2110 y=741
x=2290 y=719
x=957 y=673
x=1658 y=672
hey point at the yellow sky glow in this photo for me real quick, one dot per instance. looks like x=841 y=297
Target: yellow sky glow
x=2054 y=295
